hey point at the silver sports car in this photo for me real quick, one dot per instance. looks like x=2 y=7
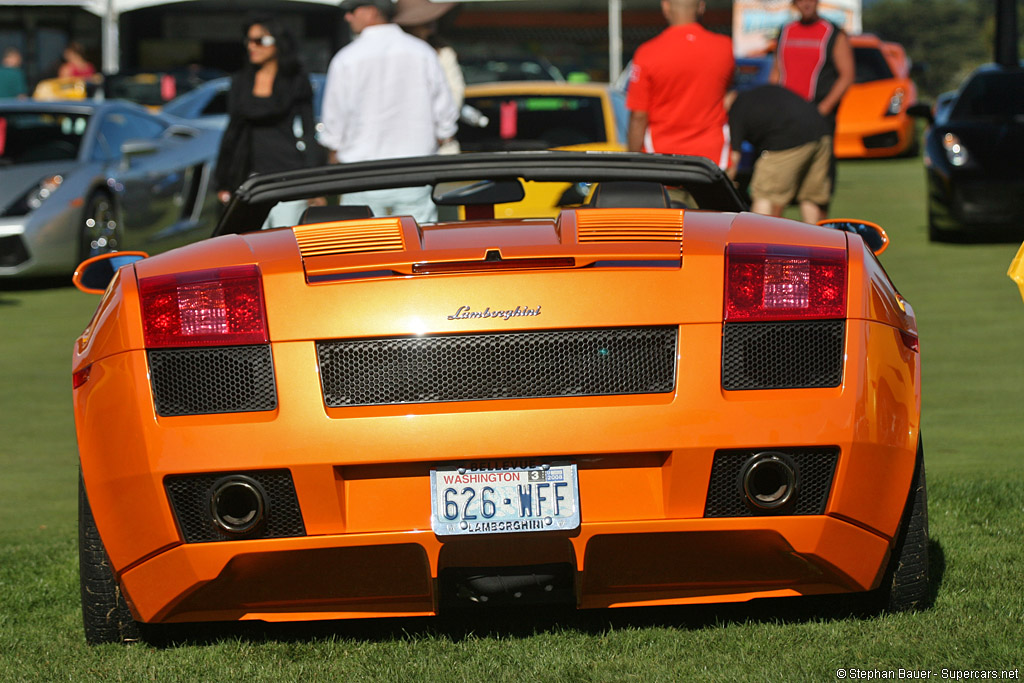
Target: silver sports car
x=79 y=179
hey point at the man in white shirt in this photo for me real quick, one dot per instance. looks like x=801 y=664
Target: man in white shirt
x=386 y=96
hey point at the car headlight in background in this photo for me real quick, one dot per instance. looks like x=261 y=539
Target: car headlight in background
x=955 y=150
x=895 y=102
x=47 y=186
x=34 y=198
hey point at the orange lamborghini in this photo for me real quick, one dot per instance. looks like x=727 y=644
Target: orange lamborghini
x=638 y=402
x=872 y=120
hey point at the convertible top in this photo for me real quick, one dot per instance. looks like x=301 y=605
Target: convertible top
x=707 y=183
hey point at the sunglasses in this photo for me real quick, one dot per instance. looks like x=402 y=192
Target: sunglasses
x=265 y=41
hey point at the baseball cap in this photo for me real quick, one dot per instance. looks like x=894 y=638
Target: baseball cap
x=387 y=7
x=419 y=12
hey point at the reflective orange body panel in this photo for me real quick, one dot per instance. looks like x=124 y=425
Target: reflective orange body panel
x=866 y=126
x=361 y=474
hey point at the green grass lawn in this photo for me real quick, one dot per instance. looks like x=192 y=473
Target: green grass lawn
x=972 y=338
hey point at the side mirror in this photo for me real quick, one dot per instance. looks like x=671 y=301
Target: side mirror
x=181 y=131
x=872 y=233
x=93 y=275
x=140 y=146
x=132 y=149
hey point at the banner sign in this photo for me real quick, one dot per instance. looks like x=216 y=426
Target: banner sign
x=756 y=23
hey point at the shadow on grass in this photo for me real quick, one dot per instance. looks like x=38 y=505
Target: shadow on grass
x=31 y=284
x=967 y=235
x=526 y=621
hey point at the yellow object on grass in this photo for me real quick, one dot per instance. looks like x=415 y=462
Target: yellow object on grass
x=1016 y=271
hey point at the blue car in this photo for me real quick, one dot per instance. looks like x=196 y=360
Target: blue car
x=208 y=103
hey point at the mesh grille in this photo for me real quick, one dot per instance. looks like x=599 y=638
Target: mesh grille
x=890 y=139
x=499 y=365
x=815 y=468
x=782 y=355
x=222 y=379
x=12 y=251
x=190 y=499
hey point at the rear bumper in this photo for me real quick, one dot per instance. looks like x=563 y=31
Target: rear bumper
x=361 y=480
x=394 y=574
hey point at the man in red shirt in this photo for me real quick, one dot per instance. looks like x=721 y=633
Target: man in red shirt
x=677 y=84
x=814 y=59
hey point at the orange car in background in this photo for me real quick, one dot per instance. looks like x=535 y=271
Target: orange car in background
x=872 y=120
x=631 y=403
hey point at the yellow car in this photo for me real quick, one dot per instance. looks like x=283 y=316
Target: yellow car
x=152 y=89
x=534 y=115
x=66 y=88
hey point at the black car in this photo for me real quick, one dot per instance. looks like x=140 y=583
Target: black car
x=973 y=148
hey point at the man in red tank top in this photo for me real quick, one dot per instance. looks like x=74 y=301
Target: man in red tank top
x=814 y=59
x=677 y=84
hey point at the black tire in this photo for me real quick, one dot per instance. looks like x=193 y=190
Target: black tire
x=100 y=232
x=105 y=613
x=934 y=234
x=914 y=148
x=905 y=586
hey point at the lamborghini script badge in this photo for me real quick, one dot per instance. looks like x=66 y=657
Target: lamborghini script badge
x=466 y=313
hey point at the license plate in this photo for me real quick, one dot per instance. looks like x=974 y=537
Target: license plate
x=500 y=498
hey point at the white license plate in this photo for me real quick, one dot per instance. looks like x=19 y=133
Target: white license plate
x=500 y=498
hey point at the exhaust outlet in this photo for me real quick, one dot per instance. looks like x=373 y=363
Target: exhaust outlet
x=237 y=504
x=768 y=481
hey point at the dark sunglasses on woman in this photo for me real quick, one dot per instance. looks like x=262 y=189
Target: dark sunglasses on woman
x=265 y=41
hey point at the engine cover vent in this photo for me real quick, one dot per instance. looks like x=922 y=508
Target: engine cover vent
x=350 y=237
x=629 y=225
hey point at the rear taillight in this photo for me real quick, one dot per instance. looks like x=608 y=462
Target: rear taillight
x=220 y=306
x=911 y=341
x=81 y=377
x=782 y=282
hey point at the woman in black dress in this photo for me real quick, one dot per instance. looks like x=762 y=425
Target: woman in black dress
x=266 y=98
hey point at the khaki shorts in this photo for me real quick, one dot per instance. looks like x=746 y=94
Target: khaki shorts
x=801 y=172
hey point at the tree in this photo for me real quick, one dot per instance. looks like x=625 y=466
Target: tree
x=946 y=39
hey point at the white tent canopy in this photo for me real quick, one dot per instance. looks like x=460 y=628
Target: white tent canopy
x=121 y=6
x=111 y=10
